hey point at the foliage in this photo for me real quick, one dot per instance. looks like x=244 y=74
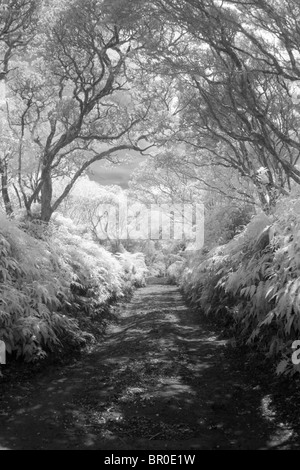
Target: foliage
x=224 y=220
x=174 y=271
x=134 y=267
x=68 y=102
x=233 y=66
x=52 y=277
x=33 y=290
x=252 y=283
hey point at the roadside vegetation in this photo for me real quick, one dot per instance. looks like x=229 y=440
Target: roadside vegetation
x=207 y=92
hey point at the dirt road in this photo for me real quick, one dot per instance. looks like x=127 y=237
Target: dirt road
x=159 y=380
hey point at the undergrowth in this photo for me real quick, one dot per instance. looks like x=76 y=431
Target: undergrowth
x=252 y=284
x=55 y=281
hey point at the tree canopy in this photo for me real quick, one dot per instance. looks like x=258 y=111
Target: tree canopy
x=211 y=86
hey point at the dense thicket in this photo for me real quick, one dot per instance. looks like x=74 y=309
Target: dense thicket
x=55 y=282
x=251 y=284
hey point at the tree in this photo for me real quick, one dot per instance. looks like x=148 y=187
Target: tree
x=106 y=212
x=4 y=185
x=72 y=104
x=235 y=69
x=18 y=19
x=95 y=207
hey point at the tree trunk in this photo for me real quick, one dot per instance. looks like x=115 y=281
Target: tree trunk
x=46 y=196
x=18 y=196
x=4 y=190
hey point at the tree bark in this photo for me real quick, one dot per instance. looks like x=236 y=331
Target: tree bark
x=4 y=190
x=46 y=195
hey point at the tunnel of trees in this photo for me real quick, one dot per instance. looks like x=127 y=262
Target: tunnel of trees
x=207 y=91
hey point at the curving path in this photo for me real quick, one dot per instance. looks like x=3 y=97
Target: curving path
x=159 y=380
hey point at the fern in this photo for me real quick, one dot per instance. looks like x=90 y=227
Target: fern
x=42 y=281
x=254 y=280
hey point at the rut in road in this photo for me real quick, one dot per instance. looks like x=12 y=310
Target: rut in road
x=159 y=380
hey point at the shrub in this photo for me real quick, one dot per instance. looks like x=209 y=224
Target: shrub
x=47 y=275
x=174 y=271
x=33 y=288
x=253 y=283
x=134 y=266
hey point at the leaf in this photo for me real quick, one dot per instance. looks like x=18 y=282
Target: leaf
x=282 y=366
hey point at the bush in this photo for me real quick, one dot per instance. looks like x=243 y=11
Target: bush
x=253 y=283
x=134 y=267
x=224 y=222
x=48 y=275
x=34 y=285
x=174 y=271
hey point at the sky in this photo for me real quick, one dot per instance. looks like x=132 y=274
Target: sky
x=108 y=174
